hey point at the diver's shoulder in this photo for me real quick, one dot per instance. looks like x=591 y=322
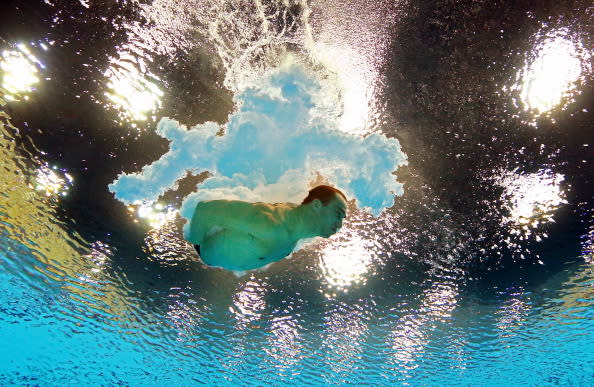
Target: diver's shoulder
x=221 y=203
x=214 y=201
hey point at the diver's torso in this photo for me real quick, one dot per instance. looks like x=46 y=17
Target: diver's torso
x=242 y=236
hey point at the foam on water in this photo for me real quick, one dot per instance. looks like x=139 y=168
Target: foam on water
x=283 y=136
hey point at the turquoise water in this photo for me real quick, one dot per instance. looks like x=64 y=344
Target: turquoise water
x=460 y=131
x=158 y=328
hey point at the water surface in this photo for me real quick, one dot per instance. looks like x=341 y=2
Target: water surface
x=479 y=272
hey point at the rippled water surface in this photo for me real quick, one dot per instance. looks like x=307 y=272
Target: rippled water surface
x=479 y=272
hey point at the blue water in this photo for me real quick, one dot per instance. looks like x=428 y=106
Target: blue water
x=112 y=334
x=466 y=258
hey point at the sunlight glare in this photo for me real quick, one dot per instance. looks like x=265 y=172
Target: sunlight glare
x=355 y=82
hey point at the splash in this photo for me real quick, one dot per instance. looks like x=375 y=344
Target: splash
x=283 y=136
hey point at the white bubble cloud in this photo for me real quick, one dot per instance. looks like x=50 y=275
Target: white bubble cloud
x=280 y=139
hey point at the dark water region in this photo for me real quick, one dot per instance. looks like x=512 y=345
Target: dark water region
x=447 y=65
x=463 y=130
x=446 y=77
x=491 y=241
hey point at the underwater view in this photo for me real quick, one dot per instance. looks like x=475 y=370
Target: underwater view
x=460 y=131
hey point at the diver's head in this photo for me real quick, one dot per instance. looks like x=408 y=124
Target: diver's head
x=328 y=206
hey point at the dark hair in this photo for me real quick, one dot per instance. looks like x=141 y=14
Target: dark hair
x=323 y=193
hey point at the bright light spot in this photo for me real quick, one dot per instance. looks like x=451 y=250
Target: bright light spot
x=283 y=342
x=552 y=74
x=513 y=312
x=355 y=80
x=532 y=198
x=19 y=71
x=248 y=304
x=155 y=214
x=52 y=181
x=346 y=262
x=131 y=92
x=440 y=300
x=345 y=329
x=407 y=342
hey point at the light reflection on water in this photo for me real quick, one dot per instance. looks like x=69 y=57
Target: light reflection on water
x=248 y=304
x=356 y=54
x=407 y=342
x=531 y=198
x=53 y=182
x=346 y=262
x=284 y=343
x=345 y=327
x=186 y=313
x=155 y=214
x=556 y=65
x=133 y=91
x=588 y=244
x=20 y=72
x=79 y=307
x=513 y=312
x=411 y=337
